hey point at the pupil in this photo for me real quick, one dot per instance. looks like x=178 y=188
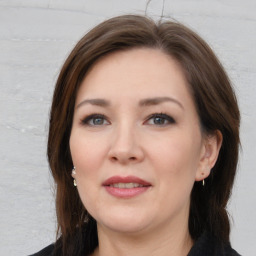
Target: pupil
x=159 y=120
x=98 y=121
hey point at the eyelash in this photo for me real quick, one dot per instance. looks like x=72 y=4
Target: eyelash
x=161 y=116
x=87 y=119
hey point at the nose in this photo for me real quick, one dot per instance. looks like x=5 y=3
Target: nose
x=126 y=146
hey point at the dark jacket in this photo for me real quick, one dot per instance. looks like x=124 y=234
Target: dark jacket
x=206 y=245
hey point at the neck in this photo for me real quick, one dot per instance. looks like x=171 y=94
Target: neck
x=162 y=242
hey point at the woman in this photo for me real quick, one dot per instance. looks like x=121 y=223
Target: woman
x=143 y=143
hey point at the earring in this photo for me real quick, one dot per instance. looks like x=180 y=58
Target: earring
x=208 y=170
x=74 y=173
x=203 y=183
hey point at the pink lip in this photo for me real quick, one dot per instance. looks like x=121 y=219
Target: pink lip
x=125 y=192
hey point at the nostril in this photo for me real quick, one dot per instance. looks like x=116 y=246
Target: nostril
x=123 y=159
x=114 y=158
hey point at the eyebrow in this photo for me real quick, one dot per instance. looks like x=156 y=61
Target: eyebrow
x=142 y=103
x=95 y=102
x=158 y=100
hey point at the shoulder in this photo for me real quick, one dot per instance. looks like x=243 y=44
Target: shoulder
x=47 y=251
x=208 y=245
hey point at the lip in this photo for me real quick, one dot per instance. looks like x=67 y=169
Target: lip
x=126 y=192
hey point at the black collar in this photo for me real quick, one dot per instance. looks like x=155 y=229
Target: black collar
x=208 y=245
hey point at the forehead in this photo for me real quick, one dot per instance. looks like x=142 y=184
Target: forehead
x=135 y=73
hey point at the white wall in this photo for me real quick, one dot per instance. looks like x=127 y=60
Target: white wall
x=35 y=38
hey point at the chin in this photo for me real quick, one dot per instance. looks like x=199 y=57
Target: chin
x=122 y=227
x=124 y=223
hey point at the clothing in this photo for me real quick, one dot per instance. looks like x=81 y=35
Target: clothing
x=206 y=245
x=47 y=251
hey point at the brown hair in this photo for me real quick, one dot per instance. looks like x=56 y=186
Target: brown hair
x=214 y=99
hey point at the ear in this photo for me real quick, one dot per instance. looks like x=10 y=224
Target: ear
x=209 y=154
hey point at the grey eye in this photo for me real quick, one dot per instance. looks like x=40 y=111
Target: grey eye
x=160 y=119
x=95 y=120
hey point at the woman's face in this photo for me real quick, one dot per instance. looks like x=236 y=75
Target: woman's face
x=136 y=142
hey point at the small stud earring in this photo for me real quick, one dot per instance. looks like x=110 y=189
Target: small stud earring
x=203 y=183
x=74 y=173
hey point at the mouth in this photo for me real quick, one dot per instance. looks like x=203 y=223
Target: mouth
x=125 y=187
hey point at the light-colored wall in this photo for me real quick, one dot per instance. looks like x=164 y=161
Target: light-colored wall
x=35 y=38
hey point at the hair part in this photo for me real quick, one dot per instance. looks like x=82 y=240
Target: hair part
x=214 y=99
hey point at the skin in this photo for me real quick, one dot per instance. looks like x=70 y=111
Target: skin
x=171 y=155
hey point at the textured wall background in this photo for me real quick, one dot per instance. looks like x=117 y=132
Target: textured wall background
x=35 y=38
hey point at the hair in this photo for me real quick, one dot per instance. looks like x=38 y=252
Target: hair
x=216 y=106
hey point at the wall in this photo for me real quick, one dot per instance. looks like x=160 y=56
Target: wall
x=35 y=38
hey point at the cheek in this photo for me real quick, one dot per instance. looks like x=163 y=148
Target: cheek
x=177 y=155
x=177 y=162
x=87 y=152
x=88 y=157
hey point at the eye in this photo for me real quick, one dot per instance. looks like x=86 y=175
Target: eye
x=95 y=120
x=160 y=119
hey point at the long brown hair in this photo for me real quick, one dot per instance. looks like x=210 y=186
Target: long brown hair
x=214 y=99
